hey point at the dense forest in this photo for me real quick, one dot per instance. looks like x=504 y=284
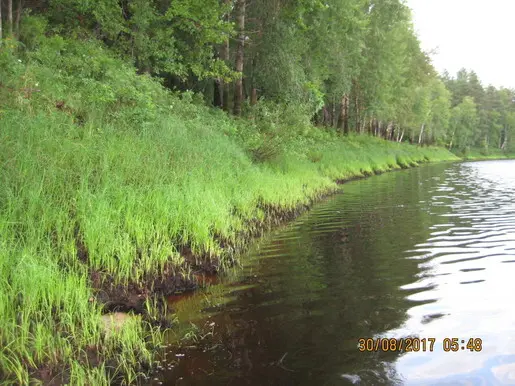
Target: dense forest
x=145 y=141
x=355 y=65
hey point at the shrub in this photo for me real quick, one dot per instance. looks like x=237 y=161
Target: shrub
x=32 y=30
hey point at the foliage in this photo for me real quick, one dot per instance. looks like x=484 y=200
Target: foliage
x=175 y=37
x=464 y=120
x=494 y=109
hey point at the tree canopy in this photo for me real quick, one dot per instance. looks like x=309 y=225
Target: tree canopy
x=354 y=65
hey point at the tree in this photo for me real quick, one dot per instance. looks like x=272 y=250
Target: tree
x=18 y=17
x=389 y=73
x=338 y=39
x=10 y=17
x=225 y=53
x=175 y=39
x=464 y=121
x=238 y=89
x=440 y=111
x=507 y=120
x=491 y=124
x=275 y=50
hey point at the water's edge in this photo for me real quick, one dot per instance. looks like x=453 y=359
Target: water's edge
x=200 y=337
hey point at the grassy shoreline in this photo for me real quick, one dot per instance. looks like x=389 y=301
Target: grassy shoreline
x=481 y=155
x=113 y=191
x=127 y=354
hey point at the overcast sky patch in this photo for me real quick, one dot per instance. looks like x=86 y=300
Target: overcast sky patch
x=477 y=35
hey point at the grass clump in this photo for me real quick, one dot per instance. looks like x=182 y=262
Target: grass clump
x=103 y=170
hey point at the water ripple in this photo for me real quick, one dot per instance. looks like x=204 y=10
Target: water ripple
x=465 y=268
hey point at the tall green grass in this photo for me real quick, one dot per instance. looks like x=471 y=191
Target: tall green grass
x=102 y=169
x=484 y=154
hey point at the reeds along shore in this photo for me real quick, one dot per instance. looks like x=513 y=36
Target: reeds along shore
x=107 y=176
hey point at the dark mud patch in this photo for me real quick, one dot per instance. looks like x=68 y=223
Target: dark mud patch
x=50 y=376
x=91 y=357
x=131 y=297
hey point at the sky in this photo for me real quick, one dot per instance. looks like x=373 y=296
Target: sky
x=475 y=34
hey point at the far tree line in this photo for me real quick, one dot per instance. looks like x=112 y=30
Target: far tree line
x=354 y=65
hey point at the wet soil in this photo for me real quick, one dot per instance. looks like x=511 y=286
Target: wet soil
x=117 y=297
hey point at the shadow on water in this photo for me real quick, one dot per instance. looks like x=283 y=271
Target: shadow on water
x=417 y=253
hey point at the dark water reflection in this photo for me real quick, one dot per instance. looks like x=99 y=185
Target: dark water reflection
x=426 y=252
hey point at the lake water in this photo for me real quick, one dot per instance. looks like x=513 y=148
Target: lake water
x=426 y=254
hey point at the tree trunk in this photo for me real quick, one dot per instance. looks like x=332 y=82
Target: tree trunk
x=505 y=141
x=343 y=119
x=18 y=18
x=223 y=84
x=339 y=124
x=253 y=96
x=388 y=134
x=356 y=106
x=326 y=116
x=368 y=124
x=225 y=53
x=358 y=122
x=452 y=138
x=346 y=116
x=245 y=88
x=334 y=121
x=402 y=135
x=10 y=17
x=421 y=133
x=240 y=22
x=253 y=88
x=1 y=33
x=218 y=94
x=501 y=137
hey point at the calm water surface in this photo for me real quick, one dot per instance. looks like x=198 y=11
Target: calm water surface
x=427 y=252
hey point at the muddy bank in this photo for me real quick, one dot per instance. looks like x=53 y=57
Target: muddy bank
x=117 y=297
x=132 y=297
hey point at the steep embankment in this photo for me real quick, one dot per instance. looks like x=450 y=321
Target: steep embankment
x=111 y=187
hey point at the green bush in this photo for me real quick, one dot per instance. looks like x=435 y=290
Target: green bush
x=32 y=30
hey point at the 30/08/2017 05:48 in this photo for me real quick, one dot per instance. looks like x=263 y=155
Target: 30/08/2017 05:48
x=418 y=344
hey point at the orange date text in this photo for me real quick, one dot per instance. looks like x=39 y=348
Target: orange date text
x=392 y=344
